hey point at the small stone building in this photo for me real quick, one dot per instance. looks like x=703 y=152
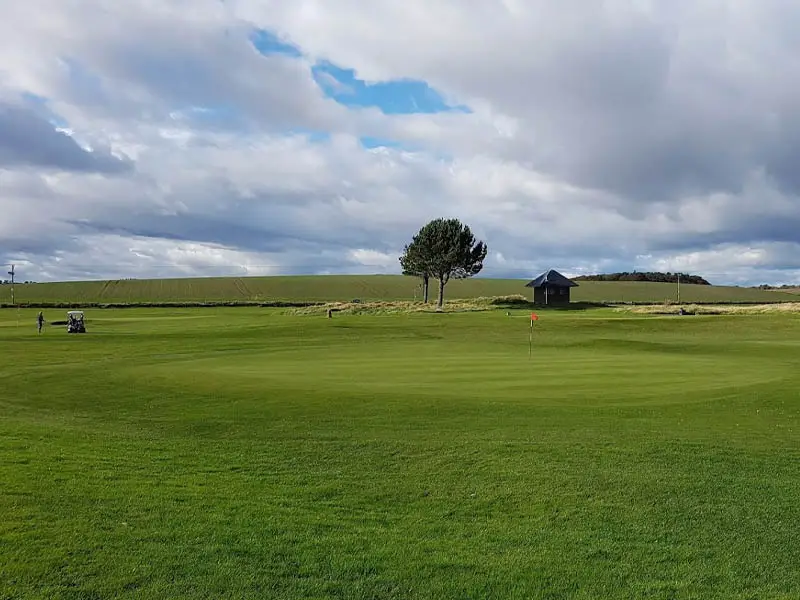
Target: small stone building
x=551 y=288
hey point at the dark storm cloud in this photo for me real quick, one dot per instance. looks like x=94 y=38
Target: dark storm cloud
x=27 y=139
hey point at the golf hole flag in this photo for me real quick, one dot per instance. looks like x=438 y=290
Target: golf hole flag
x=534 y=317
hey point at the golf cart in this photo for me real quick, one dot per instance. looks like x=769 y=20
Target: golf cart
x=75 y=322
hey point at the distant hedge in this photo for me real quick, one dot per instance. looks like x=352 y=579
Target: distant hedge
x=786 y=286
x=644 y=276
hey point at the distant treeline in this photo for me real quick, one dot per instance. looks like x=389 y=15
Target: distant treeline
x=644 y=276
x=786 y=286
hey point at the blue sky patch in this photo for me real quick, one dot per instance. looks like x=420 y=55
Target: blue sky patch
x=267 y=42
x=208 y=113
x=42 y=105
x=403 y=96
x=375 y=142
x=34 y=99
x=370 y=143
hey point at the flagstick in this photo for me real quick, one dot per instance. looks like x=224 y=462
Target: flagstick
x=530 y=340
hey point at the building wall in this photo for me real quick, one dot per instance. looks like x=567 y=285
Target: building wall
x=555 y=295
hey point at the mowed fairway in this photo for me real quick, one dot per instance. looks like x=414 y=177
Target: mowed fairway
x=244 y=453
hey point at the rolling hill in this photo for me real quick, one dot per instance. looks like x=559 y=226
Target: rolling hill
x=321 y=288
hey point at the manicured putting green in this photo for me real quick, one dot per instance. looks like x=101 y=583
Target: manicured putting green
x=245 y=453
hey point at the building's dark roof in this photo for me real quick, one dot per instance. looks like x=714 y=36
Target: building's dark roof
x=553 y=278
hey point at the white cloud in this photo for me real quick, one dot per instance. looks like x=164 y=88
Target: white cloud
x=373 y=258
x=142 y=257
x=771 y=262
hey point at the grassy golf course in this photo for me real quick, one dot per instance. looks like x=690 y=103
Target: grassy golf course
x=326 y=288
x=249 y=453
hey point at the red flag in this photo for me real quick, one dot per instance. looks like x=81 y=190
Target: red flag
x=534 y=317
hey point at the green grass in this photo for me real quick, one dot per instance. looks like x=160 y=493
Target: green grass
x=348 y=287
x=244 y=453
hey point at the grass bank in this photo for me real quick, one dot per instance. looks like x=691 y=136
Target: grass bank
x=345 y=288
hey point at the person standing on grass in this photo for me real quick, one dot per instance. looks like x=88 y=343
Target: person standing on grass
x=40 y=321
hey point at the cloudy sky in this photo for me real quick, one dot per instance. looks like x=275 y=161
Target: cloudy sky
x=206 y=137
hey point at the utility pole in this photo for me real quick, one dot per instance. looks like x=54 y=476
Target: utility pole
x=11 y=272
x=679 y=288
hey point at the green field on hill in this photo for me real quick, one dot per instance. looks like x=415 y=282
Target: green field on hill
x=349 y=287
x=246 y=453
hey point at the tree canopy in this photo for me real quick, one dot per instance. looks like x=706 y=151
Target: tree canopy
x=413 y=261
x=645 y=276
x=443 y=249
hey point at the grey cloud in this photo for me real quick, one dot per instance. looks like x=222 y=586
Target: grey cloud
x=145 y=70
x=780 y=158
x=27 y=139
x=651 y=103
x=755 y=231
x=341 y=209
x=197 y=228
x=287 y=229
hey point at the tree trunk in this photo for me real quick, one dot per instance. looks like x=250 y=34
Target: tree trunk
x=425 y=289
x=441 y=292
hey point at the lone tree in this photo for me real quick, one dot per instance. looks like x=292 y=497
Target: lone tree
x=444 y=249
x=414 y=259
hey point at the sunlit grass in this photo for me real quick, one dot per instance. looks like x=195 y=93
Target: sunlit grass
x=246 y=453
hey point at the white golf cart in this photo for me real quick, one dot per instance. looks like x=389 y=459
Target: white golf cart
x=75 y=322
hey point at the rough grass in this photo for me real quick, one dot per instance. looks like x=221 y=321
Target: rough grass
x=389 y=308
x=344 y=288
x=244 y=453
x=694 y=309
x=397 y=307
